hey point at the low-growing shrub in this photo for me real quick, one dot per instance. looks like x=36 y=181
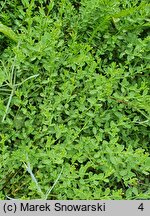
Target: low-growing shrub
x=74 y=99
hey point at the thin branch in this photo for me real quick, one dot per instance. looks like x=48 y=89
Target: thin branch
x=8 y=104
x=33 y=76
x=49 y=191
x=33 y=178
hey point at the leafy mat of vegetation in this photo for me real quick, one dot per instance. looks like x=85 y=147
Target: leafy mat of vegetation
x=75 y=99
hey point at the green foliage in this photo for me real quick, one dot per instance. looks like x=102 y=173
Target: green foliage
x=75 y=99
x=8 y=32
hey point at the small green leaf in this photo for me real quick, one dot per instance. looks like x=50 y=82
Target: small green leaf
x=8 y=32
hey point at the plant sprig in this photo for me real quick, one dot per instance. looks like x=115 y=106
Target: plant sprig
x=8 y=32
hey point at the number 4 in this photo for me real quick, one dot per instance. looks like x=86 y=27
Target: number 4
x=141 y=207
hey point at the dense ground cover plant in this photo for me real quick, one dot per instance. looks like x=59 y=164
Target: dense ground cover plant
x=75 y=99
